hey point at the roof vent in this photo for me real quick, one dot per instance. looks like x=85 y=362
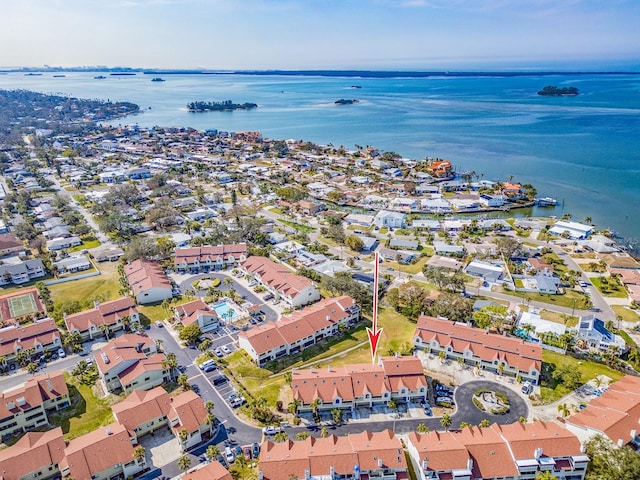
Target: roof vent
x=109 y=432
x=105 y=359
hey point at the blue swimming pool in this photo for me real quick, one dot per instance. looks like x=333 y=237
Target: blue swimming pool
x=225 y=311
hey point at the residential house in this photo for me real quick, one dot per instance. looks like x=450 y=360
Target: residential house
x=595 y=334
x=148 y=282
x=361 y=385
x=89 y=323
x=364 y=455
x=62 y=243
x=479 y=348
x=443 y=248
x=440 y=169
x=573 y=230
x=359 y=219
x=208 y=471
x=295 y=290
x=103 y=454
x=428 y=225
x=207 y=258
x=369 y=244
x=404 y=244
x=9 y=244
x=35 y=455
x=72 y=264
x=387 y=219
x=489 y=272
x=111 y=254
x=26 y=407
x=519 y=451
x=305 y=207
x=131 y=362
x=400 y=255
x=21 y=272
x=491 y=201
x=144 y=412
x=41 y=336
x=615 y=414
x=197 y=312
x=301 y=329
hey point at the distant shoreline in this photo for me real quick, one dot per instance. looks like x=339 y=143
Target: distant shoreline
x=322 y=73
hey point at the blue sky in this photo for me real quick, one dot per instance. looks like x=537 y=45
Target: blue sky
x=325 y=34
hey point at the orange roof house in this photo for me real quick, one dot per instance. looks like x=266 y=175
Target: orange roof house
x=400 y=378
x=35 y=455
x=88 y=322
x=208 y=257
x=480 y=348
x=148 y=282
x=440 y=169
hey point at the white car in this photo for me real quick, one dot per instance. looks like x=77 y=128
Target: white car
x=271 y=430
x=225 y=349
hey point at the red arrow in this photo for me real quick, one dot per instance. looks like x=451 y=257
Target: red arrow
x=373 y=332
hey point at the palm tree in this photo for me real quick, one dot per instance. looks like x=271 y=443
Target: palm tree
x=139 y=454
x=183 y=381
x=210 y=420
x=184 y=463
x=422 y=428
x=465 y=425
x=546 y=475
x=445 y=421
x=392 y=405
x=106 y=331
x=484 y=423
x=280 y=437
x=171 y=363
x=314 y=407
x=563 y=410
x=212 y=452
x=293 y=406
x=209 y=405
x=336 y=415
x=324 y=432
x=302 y=435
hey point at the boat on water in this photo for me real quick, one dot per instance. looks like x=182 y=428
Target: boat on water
x=31 y=74
x=59 y=76
x=157 y=79
x=546 y=202
x=100 y=77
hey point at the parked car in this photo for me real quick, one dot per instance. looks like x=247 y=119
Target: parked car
x=208 y=366
x=428 y=411
x=246 y=450
x=527 y=388
x=583 y=284
x=255 y=450
x=159 y=324
x=237 y=450
x=219 y=380
x=225 y=349
x=218 y=353
x=442 y=400
x=61 y=353
x=228 y=455
x=271 y=430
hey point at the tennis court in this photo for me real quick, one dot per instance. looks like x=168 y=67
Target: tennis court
x=20 y=305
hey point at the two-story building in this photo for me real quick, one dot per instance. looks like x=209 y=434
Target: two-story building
x=479 y=348
x=25 y=407
x=41 y=336
x=35 y=455
x=131 y=362
x=199 y=313
x=301 y=329
x=295 y=290
x=91 y=323
x=21 y=271
x=208 y=257
x=148 y=282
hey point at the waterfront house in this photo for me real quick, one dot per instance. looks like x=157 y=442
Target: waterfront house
x=385 y=218
x=89 y=323
x=364 y=455
x=26 y=407
x=131 y=362
x=199 y=313
x=573 y=230
x=280 y=281
x=479 y=348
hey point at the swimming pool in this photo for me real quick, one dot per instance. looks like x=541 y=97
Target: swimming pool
x=225 y=311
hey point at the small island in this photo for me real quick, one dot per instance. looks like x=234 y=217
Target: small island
x=225 y=106
x=553 y=91
x=344 y=101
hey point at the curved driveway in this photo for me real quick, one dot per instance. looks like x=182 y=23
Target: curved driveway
x=468 y=412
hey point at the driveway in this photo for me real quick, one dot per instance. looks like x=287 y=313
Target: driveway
x=468 y=412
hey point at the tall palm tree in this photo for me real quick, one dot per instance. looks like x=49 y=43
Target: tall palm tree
x=212 y=452
x=184 y=463
x=324 y=432
x=445 y=421
x=484 y=423
x=546 y=475
x=563 y=410
x=139 y=454
x=209 y=405
x=314 y=407
x=422 y=428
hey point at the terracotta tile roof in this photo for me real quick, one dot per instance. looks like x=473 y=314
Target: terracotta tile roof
x=97 y=451
x=153 y=363
x=489 y=452
x=33 y=393
x=277 y=276
x=190 y=311
x=525 y=438
x=26 y=336
x=210 y=471
x=356 y=380
x=616 y=413
x=143 y=275
x=442 y=450
x=209 y=252
x=104 y=314
x=318 y=455
x=628 y=276
x=31 y=452
x=189 y=409
x=300 y=324
x=142 y=406
x=487 y=346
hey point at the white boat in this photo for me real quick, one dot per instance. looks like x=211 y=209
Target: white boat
x=546 y=202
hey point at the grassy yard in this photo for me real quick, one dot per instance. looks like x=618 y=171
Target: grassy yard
x=297 y=226
x=412 y=268
x=565 y=300
x=86 y=244
x=257 y=381
x=609 y=287
x=85 y=414
x=154 y=311
x=554 y=391
x=627 y=314
x=104 y=286
x=558 y=318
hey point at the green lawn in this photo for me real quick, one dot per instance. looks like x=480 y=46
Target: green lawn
x=627 y=314
x=610 y=289
x=154 y=311
x=85 y=414
x=86 y=244
x=589 y=371
x=565 y=300
x=297 y=226
x=254 y=381
x=558 y=318
x=104 y=286
x=411 y=268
